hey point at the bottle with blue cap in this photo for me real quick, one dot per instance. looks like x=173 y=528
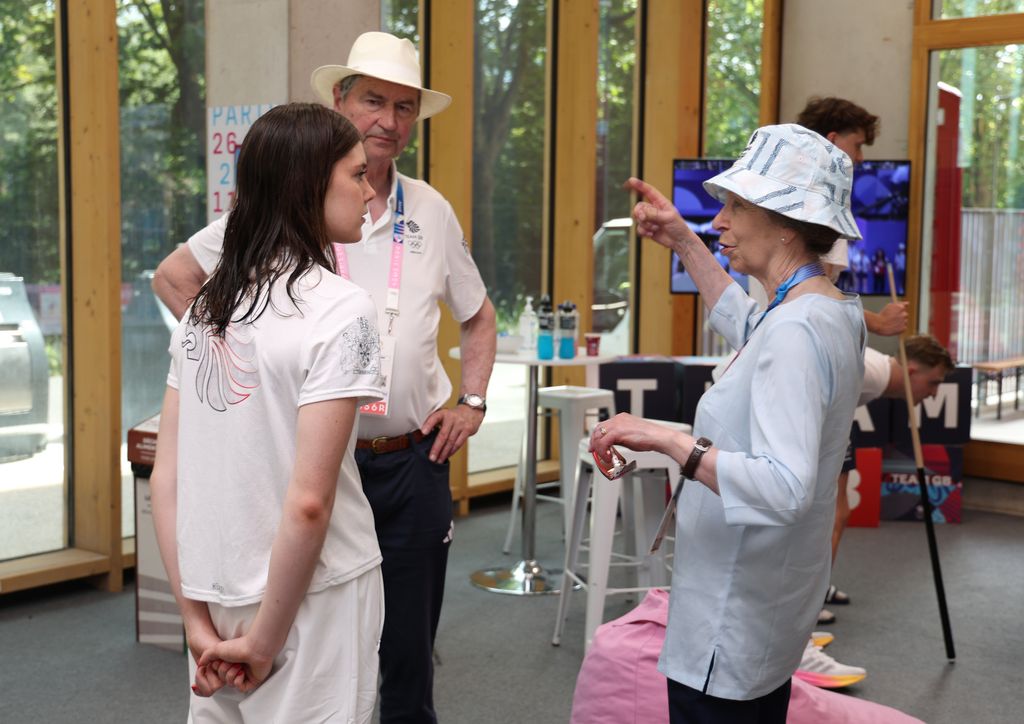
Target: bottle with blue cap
x=568 y=323
x=545 y=329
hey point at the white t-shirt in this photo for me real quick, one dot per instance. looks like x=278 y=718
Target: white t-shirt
x=239 y=401
x=876 y=375
x=437 y=265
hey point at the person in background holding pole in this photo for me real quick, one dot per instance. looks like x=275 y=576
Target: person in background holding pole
x=404 y=441
x=850 y=127
x=260 y=518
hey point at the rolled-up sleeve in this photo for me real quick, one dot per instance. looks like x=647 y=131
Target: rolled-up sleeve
x=773 y=483
x=734 y=315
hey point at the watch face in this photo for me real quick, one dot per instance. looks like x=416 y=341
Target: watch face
x=473 y=400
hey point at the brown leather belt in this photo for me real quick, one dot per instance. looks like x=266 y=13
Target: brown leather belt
x=381 y=445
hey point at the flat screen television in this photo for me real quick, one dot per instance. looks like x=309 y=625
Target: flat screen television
x=880 y=203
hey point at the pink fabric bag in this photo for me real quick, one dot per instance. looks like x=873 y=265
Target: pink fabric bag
x=619 y=682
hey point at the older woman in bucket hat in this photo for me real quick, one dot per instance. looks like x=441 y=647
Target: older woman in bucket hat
x=753 y=531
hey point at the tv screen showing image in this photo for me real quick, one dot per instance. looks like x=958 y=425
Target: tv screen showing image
x=698 y=207
x=880 y=201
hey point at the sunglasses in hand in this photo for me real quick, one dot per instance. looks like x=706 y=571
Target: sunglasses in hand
x=618 y=466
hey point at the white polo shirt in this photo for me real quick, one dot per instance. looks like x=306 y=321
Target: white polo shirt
x=239 y=397
x=437 y=266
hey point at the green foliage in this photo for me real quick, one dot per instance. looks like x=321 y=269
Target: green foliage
x=990 y=79
x=163 y=162
x=733 y=75
x=508 y=148
x=29 y=198
x=401 y=18
x=976 y=8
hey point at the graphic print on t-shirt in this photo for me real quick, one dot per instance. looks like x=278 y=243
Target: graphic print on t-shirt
x=360 y=352
x=227 y=372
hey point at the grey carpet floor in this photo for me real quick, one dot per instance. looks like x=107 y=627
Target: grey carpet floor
x=67 y=653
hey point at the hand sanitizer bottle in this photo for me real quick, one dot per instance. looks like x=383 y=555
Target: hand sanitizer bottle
x=528 y=326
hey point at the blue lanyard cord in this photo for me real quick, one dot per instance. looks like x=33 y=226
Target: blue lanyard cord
x=398 y=233
x=807 y=271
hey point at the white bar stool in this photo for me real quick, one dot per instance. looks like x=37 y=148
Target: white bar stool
x=573 y=404
x=642 y=507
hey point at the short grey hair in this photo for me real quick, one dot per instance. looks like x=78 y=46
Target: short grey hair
x=346 y=84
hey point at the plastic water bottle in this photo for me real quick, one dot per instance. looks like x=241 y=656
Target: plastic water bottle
x=545 y=329
x=568 y=323
x=528 y=326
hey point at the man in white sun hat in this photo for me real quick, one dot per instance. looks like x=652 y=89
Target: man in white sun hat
x=755 y=516
x=412 y=255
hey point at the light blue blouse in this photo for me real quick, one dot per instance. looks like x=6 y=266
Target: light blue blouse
x=752 y=565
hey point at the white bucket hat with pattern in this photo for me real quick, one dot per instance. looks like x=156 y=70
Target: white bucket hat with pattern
x=795 y=172
x=385 y=57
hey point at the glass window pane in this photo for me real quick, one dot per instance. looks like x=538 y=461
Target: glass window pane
x=33 y=496
x=613 y=256
x=974 y=8
x=163 y=188
x=401 y=18
x=508 y=162
x=732 y=87
x=732 y=90
x=973 y=255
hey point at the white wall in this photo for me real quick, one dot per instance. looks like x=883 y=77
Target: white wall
x=856 y=50
x=260 y=51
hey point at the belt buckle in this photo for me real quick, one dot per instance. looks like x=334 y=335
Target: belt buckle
x=382 y=440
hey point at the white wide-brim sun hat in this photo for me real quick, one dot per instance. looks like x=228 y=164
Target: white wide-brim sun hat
x=385 y=57
x=795 y=172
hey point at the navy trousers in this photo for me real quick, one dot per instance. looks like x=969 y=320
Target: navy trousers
x=690 y=706
x=412 y=508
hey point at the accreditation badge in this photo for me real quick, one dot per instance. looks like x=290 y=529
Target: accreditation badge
x=380 y=408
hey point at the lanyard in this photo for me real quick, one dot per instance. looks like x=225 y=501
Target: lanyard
x=397 y=251
x=807 y=271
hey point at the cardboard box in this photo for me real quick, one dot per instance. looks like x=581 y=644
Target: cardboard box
x=157 y=620
x=864 y=488
x=648 y=387
x=944 y=419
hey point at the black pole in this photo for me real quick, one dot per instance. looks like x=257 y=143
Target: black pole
x=933 y=552
x=926 y=504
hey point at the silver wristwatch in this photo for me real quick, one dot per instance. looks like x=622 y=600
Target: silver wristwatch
x=475 y=401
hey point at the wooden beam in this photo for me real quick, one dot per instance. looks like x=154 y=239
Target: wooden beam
x=450 y=166
x=671 y=113
x=47 y=568
x=88 y=98
x=771 y=62
x=987 y=30
x=574 y=161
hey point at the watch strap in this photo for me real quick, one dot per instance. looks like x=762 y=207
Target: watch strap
x=699 y=448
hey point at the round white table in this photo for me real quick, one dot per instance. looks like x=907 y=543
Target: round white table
x=528 y=577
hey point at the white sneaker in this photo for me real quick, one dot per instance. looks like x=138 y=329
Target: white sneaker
x=821 y=670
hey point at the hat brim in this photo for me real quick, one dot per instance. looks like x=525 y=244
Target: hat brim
x=791 y=201
x=326 y=77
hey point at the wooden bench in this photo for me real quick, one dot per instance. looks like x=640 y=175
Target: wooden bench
x=994 y=370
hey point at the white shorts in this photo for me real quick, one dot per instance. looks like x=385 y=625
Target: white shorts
x=327 y=670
